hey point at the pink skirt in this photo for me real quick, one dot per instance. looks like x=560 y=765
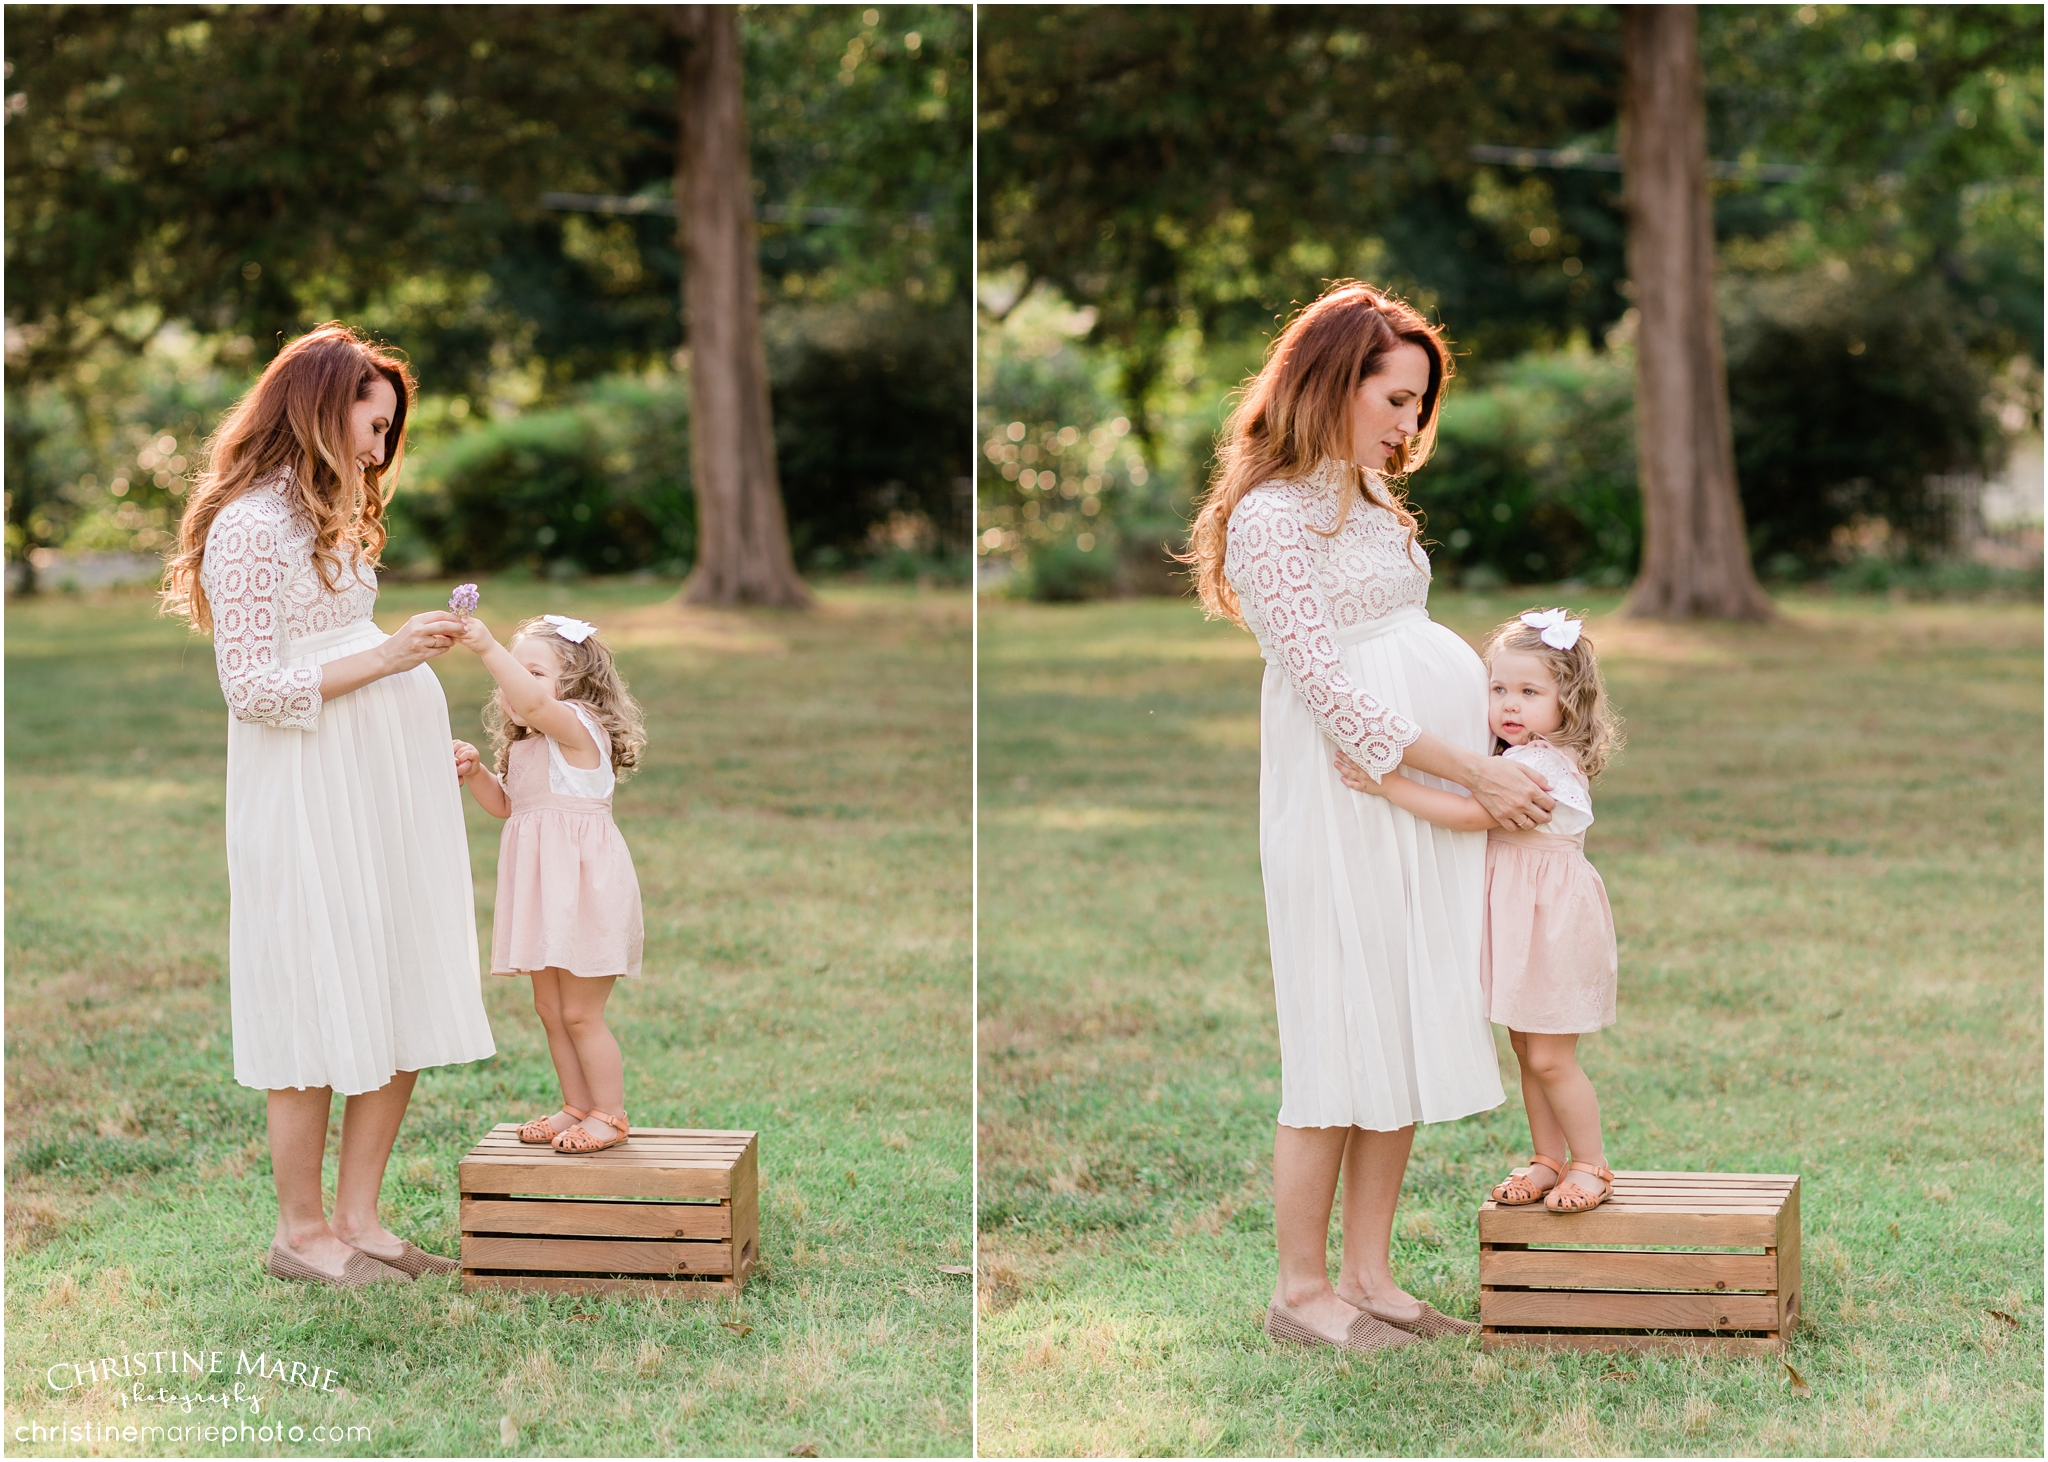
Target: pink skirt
x=568 y=898
x=1546 y=952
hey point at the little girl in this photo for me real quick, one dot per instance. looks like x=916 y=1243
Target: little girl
x=1546 y=953
x=568 y=913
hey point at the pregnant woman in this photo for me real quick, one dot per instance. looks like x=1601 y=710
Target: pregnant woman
x=352 y=955
x=1373 y=915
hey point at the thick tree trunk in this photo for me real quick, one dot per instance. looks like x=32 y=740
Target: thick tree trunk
x=743 y=552
x=1695 y=549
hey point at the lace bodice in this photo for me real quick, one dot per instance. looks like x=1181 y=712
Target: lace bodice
x=1300 y=589
x=1568 y=786
x=265 y=591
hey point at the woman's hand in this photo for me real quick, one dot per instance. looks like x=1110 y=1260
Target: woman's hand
x=467 y=762
x=1512 y=794
x=1355 y=778
x=420 y=639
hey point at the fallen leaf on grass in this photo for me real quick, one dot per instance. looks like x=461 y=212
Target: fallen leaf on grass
x=851 y=1180
x=807 y=1449
x=2001 y=1315
x=508 y=1430
x=582 y=1319
x=1799 y=1386
x=956 y=1269
x=1617 y=1376
x=1893 y=1230
x=739 y=1329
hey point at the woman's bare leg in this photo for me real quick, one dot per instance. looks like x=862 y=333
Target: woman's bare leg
x=1546 y=1133
x=1374 y=1164
x=1306 y=1161
x=1554 y=1061
x=547 y=1004
x=297 y=1119
x=369 y=1127
x=597 y=1052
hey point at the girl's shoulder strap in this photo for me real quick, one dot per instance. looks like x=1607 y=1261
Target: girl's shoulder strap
x=594 y=724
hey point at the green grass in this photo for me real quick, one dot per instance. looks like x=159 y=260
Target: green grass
x=1823 y=850
x=801 y=833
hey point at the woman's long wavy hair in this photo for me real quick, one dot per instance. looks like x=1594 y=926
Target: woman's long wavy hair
x=1592 y=730
x=1297 y=411
x=296 y=418
x=589 y=676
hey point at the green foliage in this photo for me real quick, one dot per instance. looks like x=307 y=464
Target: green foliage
x=602 y=485
x=1534 y=477
x=1846 y=397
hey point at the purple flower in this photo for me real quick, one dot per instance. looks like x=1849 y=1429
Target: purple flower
x=463 y=600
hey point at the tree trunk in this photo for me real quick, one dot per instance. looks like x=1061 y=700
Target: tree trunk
x=1695 y=548
x=743 y=552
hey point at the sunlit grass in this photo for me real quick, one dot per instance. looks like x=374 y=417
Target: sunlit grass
x=1823 y=848
x=801 y=833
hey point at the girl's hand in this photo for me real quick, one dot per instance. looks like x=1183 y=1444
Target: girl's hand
x=476 y=635
x=1355 y=778
x=467 y=762
x=420 y=639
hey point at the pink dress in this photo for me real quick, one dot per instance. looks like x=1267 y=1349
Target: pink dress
x=1546 y=954
x=568 y=898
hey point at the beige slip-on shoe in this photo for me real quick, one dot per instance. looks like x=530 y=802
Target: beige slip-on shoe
x=360 y=1270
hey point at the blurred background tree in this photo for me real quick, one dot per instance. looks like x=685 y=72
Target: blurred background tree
x=1171 y=182
x=490 y=188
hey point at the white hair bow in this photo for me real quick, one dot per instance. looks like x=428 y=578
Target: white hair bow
x=575 y=631
x=1554 y=627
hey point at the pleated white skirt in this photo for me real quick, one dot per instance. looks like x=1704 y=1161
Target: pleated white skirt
x=352 y=950
x=1374 y=916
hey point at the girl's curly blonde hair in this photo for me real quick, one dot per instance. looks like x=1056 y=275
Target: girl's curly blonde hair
x=1591 y=731
x=589 y=676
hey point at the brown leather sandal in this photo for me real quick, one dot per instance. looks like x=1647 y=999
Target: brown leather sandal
x=1577 y=1199
x=579 y=1143
x=1517 y=1190
x=542 y=1130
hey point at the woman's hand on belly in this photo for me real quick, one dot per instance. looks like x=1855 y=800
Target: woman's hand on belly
x=1511 y=794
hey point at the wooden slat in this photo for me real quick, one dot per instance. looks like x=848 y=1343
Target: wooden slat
x=1609 y=1224
x=746 y=1214
x=1650 y=1344
x=1602 y=1269
x=1788 y=1264
x=706 y=1289
x=596 y=1256
x=639 y=1142
x=1709 y=1177
x=585 y=1219
x=1598 y=1310
x=594 y=1178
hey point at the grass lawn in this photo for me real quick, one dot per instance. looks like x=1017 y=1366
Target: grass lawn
x=1823 y=849
x=801 y=832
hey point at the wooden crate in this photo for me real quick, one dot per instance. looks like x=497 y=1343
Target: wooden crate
x=670 y=1211
x=1673 y=1261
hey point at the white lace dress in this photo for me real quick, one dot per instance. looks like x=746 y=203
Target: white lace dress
x=352 y=949
x=1374 y=916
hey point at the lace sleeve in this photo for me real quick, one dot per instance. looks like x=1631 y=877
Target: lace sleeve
x=244 y=578
x=1574 y=810
x=1270 y=565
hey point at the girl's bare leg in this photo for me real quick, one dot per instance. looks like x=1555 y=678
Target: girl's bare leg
x=1554 y=1061
x=597 y=1052
x=1546 y=1133
x=547 y=1004
x=1306 y=1161
x=369 y=1128
x=297 y=1119
x=1374 y=1164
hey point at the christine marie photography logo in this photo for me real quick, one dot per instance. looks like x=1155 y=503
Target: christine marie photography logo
x=169 y=1386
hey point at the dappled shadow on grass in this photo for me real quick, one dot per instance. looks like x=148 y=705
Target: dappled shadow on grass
x=1823 y=848
x=801 y=832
